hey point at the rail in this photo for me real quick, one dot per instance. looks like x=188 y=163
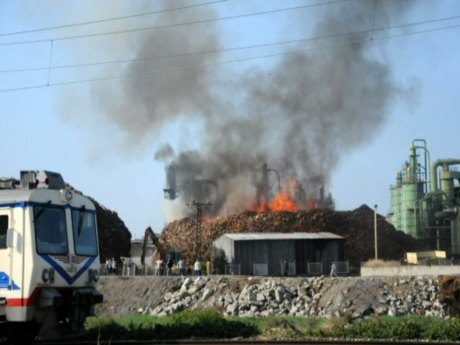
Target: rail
x=233 y=269
x=248 y=342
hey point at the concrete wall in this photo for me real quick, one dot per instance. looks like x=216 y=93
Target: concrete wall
x=419 y=270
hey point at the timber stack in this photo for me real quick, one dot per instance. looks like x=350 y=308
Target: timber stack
x=357 y=226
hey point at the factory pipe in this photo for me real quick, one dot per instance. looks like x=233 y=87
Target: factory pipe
x=426 y=156
x=278 y=177
x=445 y=163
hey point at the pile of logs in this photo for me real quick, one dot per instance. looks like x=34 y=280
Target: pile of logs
x=357 y=226
x=114 y=236
x=450 y=293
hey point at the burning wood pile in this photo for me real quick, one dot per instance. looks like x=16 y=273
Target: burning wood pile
x=356 y=226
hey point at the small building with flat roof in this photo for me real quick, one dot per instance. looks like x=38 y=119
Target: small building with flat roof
x=297 y=253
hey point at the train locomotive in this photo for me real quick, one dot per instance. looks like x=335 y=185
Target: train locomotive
x=49 y=257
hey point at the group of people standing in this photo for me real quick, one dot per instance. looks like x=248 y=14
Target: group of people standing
x=111 y=266
x=181 y=268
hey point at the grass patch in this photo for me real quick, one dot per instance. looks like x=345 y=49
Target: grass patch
x=212 y=325
x=183 y=325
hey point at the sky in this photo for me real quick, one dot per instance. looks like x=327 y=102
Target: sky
x=343 y=92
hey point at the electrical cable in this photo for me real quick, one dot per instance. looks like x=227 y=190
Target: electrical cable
x=106 y=20
x=316 y=38
x=146 y=74
x=166 y=26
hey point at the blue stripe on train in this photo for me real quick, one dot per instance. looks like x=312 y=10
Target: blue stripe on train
x=63 y=273
x=5 y=282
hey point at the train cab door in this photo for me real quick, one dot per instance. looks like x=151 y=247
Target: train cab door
x=6 y=264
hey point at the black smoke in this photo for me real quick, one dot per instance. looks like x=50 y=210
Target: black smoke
x=300 y=116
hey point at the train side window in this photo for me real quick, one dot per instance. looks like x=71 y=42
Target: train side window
x=3 y=231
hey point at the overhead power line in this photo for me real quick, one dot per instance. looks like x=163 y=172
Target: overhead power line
x=175 y=68
x=166 y=26
x=216 y=51
x=106 y=20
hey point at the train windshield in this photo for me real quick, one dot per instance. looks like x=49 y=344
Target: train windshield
x=50 y=230
x=84 y=232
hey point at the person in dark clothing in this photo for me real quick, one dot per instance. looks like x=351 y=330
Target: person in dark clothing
x=169 y=265
x=285 y=268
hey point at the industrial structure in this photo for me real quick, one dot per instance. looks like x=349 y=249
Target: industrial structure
x=270 y=190
x=425 y=200
x=183 y=184
x=265 y=253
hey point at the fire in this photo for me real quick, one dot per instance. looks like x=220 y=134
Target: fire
x=261 y=206
x=291 y=196
x=284 y=202
x=281 y=202
x=207 y=218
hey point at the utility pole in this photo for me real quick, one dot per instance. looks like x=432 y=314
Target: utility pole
x=199 y=212
x=375 y=230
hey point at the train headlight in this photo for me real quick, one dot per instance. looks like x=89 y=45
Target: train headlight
x=48 y=275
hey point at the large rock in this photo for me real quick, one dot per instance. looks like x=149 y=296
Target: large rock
x=354 y=297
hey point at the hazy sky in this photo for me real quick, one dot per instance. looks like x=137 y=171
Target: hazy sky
x=100 y=125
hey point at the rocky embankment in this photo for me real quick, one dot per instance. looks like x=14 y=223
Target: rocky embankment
x=254 y=296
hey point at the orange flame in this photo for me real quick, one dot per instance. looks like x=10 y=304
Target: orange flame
x=207 y=218
x=261 y=206
x=284 y=202
x=281 y=202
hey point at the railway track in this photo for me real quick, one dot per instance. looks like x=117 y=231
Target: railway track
x=246 y=342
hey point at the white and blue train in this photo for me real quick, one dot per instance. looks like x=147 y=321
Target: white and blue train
x=49 y=257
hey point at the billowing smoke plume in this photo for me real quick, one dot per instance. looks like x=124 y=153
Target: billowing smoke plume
x=279 y=128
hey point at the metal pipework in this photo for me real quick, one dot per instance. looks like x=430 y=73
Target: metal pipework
x=171 y=191
x=448 y=213
x=445 y=163
x=265 y=183
x=278 y=177
x=426 y=158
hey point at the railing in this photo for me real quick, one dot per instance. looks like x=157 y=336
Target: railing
x=260 y=269
x=128 y=269
x=233 y=269
x=291 y=268
x=314 y=268
x=342 y=267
